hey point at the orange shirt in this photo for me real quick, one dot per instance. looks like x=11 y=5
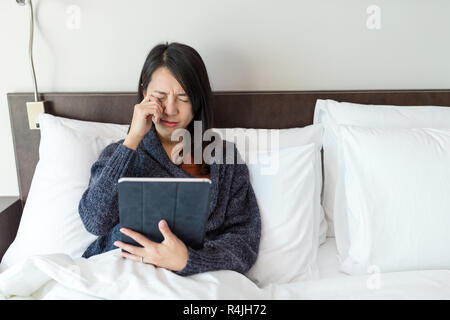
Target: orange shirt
x=194 y=169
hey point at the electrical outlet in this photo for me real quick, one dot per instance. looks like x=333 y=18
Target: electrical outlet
x=34 y=109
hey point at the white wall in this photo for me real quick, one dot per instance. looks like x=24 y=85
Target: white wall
x=246 y=45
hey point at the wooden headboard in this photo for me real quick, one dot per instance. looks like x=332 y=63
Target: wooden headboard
x=260 y=109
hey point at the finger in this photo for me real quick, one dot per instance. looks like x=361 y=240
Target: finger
x=158 y=103
x=147 y=98
x=152 y=109
x=154 y=106
x=131 y=256
x=159 y=113
x=156 y=113
x=137 y=258
x=165 y=230
x=149 y=103
x=129 y=247
x=152 y=98
x=136 y=236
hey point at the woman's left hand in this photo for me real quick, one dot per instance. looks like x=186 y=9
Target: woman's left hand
x=171 y=253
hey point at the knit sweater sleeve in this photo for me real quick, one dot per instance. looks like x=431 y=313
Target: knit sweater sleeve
x=98 y=207
x=236 y=247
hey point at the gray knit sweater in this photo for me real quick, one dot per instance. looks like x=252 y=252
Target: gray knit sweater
x=233 y=228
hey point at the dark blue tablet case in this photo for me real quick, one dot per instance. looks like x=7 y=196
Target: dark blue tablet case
x=184 y=205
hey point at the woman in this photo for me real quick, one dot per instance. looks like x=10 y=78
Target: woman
x=174 y=91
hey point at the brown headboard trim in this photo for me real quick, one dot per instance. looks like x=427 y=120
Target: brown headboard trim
x=246 y=109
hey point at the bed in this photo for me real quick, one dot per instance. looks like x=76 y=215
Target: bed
x=108 y=276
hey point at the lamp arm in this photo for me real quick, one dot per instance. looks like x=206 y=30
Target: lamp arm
x=30 y=49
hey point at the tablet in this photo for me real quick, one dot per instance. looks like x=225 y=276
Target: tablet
x=182 y=202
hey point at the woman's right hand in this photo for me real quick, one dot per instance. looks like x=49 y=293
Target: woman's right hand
x=149 y=110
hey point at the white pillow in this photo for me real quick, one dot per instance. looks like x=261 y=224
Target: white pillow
x=392 y=205
x=332 y=113
x=289 y=203
x=50 y=221
x=249 y=140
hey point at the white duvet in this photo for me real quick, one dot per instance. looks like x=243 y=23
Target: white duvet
x=109 y=276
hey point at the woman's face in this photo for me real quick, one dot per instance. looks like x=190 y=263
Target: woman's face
x=175 y=102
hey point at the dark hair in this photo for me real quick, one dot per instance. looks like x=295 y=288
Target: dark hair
x=188 y=68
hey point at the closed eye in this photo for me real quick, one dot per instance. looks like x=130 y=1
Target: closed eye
x=164 y=96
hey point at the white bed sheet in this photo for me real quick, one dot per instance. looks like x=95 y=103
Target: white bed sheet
x=328 y=262
x=109 y=276
x=334 y=284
